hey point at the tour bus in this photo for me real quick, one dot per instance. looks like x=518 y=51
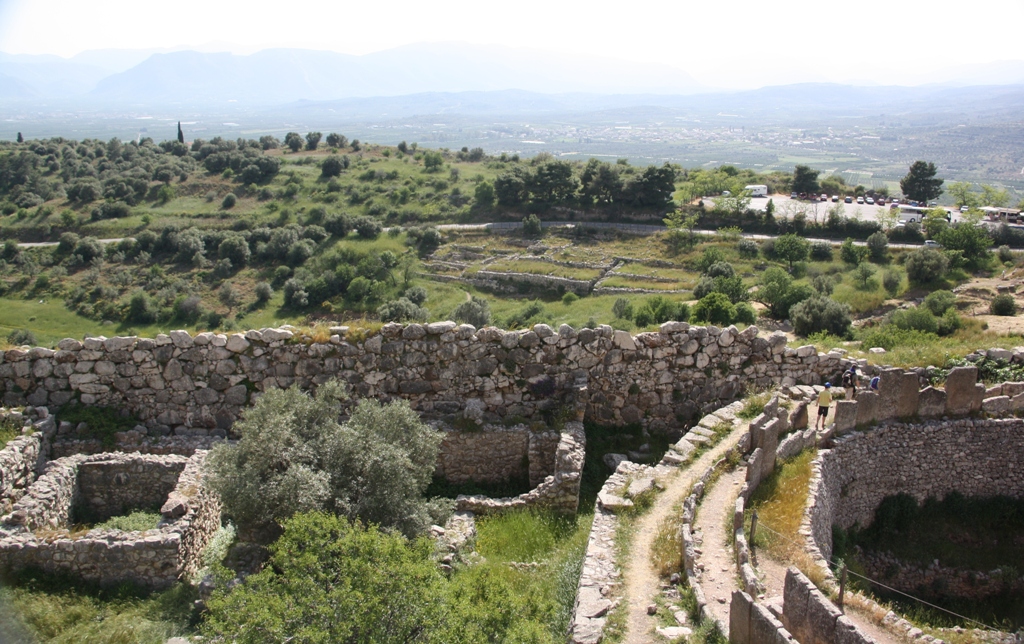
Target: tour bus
x=1009 y=215
x=916 y=214
x=757 y=190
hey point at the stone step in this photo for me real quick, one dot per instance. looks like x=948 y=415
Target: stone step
x=703 y=431
x=697 y=439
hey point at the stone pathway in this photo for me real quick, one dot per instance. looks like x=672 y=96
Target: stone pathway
x=642 y=583
x=718 y=578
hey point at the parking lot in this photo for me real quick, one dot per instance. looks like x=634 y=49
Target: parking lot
x=815 y=210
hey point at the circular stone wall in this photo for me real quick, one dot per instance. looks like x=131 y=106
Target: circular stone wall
x=977 y=458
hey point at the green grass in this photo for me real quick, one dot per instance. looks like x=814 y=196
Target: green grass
x=627 y=282
x=8 y=433
x=103 y=422
x=524 y=535
x=541 y=268
x=50 y=321
x=62 y=610
x=139 y=520
x=779 y=501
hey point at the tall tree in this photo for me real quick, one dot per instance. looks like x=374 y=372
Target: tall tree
x=312 y=140
x=20 y=138
x=921 y=184
x=805 y=180
x=181 y=135
x=963 y=194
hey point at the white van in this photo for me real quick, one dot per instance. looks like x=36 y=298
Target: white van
x=757 y=190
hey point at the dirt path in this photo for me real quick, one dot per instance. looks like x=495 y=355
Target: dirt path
x=718 y=578
x=641 y=580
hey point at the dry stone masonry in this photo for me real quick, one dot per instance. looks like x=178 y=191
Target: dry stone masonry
x=197 y=385
x=36 y=533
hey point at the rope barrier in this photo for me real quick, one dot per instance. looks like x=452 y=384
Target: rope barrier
x=761 y=525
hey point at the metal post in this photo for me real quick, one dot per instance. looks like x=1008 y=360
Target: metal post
x=842 y=588
x=753 y=531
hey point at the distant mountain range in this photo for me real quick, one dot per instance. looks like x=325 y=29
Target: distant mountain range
x=275 y=76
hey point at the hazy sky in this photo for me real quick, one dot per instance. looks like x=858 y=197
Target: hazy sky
x=736 y=43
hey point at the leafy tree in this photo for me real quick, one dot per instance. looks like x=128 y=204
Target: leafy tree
x=715 y=308
x=229 y=201
x=269 y=142
x=892 y=281
x=916 y=318
x=878 y=246
x=331 y=167
x=850 y=252
x=401 y=310
x=332 y=580
x=532 y=226
x=925 y=265
x=510 y=188
x=236 y=249
x=432 y=160
x=938 y=302
x=294 y=456
x=863 y=274
x=819 y=313
x=963 y=194
x=777 y=292
x=622 y=309
x=995 y=197
x=484 y=194
x=228 y=295
x=403 y=147
x=294 y=141
x=476 y=312
x=921 y=184
x=805 y=180
x=935 y=222
x=677 y=221
x=823 y=285
x=553 y=183
x=313 y=140
x=368 y=228
x=791 y=248
x=731 y=286
x=972 y=240
x=336 y=140
x=263 y=292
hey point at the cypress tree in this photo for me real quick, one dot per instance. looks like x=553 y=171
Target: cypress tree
x=181 y=135
x=21 y=139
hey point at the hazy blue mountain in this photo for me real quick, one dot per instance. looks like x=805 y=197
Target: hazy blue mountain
x=50 y=76
x=14 y=89
x=284 y=75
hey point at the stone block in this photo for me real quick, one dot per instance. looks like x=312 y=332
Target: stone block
x=795 y=594
x=846 y=416
x=739 y=617
x=890 y=386
x=821 y=617
x=798 y=420
x=996 y=405
x=867 y=407
x=931 y=403
x=907 y=403
x=847 y=633
x=764 y=627
x=961 y=390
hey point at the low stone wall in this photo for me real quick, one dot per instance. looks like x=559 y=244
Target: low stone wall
x=116 y=484
x=512 y=281
x=560 y=491
x=197 y=385
x=23 y=457
x=133 y=441
x=812 y=618
x=154 y=558
x=490 y=455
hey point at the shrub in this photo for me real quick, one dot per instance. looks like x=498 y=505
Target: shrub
x=368 y=228
x=295 y=295
x=569 y=298
x=949 y=323
x=401 y=310
x=1003 y=305
x=87 y=249
x=889 y=337
x=67 y=243
x=141 y=309
x=417 y=295
x=532 y=226
x=1005 y=254
x=730 y=286
x=263 y=292
x=229 y=201
x=745 y=313
x=747 y=248
x=938 y=302
x=925 y=265
x=715 y=308
x=294 y=456
x=337 y=224
x=235 y=248
x=821 y=251
x=476 y=312
x=863 y=274
x=819 y=313
x=188 y=308
x=850 y=253
x=878 y=246
x=622 y=309
x=778 y=293
x=823 y=285
x=357 y=290
x=19 y=337
x=712 y=255
x=643 y=318
x=720 y=269
x=660 y=309
x=914 y=319
x=892 y=280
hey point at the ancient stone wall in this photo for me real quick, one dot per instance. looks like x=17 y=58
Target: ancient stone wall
x=25 y=456
x=490 y=455
x=115 y=484
x=35 y=534
x=197 y=385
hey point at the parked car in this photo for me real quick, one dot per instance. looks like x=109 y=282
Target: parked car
x=794 y=195
x=931 y=243
x=848 y=200
x=963 y=208
x=824 y=197
x=869 y=201
x=835 y=198
x=860 y=199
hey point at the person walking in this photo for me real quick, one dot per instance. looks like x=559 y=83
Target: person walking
x=824 y=402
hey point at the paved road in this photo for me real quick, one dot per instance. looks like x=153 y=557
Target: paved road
x=44 y=244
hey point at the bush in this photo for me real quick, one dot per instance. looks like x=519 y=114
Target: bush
x=229 y=201
x=263 y=292
x=747 y=248
x=476 y=312
x=821 y=251
x=716 y=309
x=720 y=269
x=20 y=337
x=889 y=337
x=332 y=580
x=417 y=295
x=863 y=274
x=914 y=319
x=67 y=243
x=938 y=302
x=368 y=228
x=569 y=298
x=1005 y=254
x=851 y=253
x=823 y=285
x=778 y=293
x=925 y=265
x=88 y=248
x=949 y=323
x=622 y=309
x=878 y=246
x=295 y=295
x=660 y=309
x=712 y=255
x=532 y=226
x=141 y=309
x=1003 y=305
x=294 y=456
x=401 y=310
x=358 y=288
x=730 y=286
x=189 y=308
x=819 y=313
x=745 y=313
x=235 y=248
x=892 y=280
